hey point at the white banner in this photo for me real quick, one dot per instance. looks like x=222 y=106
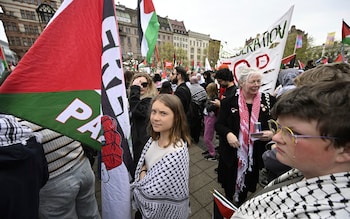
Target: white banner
x=263 y=53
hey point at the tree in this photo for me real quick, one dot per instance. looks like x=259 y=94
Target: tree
x=290 y=44
x=181 y=56
x=213 y=51
x=166 y=52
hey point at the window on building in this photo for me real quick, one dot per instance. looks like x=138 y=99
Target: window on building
x=24 y=40
x=18 y=41
x=32 y=15
x=12 y=41
x=23 y=14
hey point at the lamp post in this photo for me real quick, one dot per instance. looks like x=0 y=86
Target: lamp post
x=45 y=13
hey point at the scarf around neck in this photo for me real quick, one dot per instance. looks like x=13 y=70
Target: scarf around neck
x=325 y=196
x=245 y=151
x=12 y=132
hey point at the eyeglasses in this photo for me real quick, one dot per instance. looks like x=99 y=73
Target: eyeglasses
x=255 y=82
x=287 y=133
x=144 y=84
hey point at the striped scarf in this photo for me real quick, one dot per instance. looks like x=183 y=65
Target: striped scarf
x=245 y=151
x=12 y=132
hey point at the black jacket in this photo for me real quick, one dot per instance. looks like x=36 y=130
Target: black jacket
x=23 y=171
x=229 y=121
x=184 y=93
x=139 y=109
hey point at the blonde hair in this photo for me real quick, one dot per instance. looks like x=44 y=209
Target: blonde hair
x=212 y=90
x=151 y=87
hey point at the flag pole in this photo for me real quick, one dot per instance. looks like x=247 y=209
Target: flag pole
x=157 y=53
x=342 y=53
x=323 y=49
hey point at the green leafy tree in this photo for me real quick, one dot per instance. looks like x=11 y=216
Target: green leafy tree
x=181 y=55
x=166 y=51
x=213 y=52
x=301 y=53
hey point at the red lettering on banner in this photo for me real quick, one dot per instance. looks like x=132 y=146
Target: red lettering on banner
x=260 y=62
x=260 y=59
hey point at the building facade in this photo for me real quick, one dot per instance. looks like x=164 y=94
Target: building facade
x=198 y=47
x=24 y=20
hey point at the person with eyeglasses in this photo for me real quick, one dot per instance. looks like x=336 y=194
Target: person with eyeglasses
x=241 y=147
x=322 y=73
x=311 y=131
x=142 y=90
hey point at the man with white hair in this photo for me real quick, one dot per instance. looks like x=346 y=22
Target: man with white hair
x=199 y=97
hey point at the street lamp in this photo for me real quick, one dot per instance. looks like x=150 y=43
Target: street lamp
x=45 y=13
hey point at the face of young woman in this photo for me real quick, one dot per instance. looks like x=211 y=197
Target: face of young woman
x=162 y=118
x=252 y=85
x=312 y=156
x=143 y=83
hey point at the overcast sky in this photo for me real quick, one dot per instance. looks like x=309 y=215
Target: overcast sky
x=234 y=21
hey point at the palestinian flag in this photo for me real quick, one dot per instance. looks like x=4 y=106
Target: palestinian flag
x=3 y=63
x=339 y=58
x=345 y=33
x=148 y=28
x=226 y=208
x=70 y=79
x=289 y=60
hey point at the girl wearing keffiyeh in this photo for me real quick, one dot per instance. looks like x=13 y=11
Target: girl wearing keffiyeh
x=240 y=153
x=160 y=189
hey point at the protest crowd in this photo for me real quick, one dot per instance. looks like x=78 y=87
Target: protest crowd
x=280 y=153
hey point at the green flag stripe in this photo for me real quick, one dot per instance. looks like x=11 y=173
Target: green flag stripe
x=44 y=108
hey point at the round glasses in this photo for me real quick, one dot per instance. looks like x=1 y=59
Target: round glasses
x=287 y=133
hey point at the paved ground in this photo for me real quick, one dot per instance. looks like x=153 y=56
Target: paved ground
x=203 y=180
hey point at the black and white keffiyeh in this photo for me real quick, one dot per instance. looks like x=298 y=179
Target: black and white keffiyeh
x=163 y=192
x=320 y=197
x=12 y=132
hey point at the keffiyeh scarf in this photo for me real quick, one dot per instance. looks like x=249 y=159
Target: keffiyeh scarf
x=164 y=191
x=245 y=151
x=12 y=132
x=319 y=197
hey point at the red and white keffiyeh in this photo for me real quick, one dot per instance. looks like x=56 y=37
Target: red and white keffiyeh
x=245 y=151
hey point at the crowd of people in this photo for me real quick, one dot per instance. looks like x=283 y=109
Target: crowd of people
x=299 y=134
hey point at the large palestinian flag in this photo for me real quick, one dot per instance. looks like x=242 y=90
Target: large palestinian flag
x=57 y=84
x=69 y=80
